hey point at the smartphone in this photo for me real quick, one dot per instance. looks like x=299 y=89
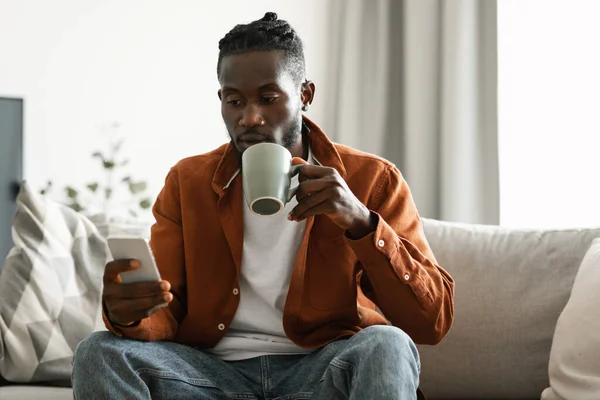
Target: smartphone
x=138 y=249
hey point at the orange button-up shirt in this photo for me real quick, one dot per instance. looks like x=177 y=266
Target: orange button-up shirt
x=337 y=283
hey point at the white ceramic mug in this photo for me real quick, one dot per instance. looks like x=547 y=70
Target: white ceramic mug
x=267 y=173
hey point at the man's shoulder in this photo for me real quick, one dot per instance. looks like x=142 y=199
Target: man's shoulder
x=359 y=161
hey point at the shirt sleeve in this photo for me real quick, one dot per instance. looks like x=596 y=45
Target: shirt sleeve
x=411 y=289
x=167 y=247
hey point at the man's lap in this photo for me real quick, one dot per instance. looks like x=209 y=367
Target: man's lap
x=174 y=370
x=164 y=366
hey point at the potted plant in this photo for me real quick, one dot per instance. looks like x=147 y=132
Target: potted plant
x=115 y=202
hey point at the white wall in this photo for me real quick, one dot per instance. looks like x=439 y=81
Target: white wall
x=81 y=64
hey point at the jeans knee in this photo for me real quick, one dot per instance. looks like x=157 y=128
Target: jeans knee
x=91 y=347
x=389 y=339
x=387 y=335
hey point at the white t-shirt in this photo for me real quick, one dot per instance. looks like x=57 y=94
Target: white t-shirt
x=271 y=246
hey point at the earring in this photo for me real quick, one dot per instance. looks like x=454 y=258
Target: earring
x=305 y=107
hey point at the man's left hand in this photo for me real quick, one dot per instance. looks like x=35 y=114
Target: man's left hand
x=322 y=191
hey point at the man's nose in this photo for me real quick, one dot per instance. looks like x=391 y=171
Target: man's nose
x=251 y=116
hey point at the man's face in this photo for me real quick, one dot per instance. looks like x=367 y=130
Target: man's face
x=260 y=100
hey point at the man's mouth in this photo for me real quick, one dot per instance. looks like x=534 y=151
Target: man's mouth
x=252 y=137
x=249 y=139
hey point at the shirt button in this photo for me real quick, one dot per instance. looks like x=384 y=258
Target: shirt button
x=406 y=276
x=221 y=327
x=381 y=243
x=236 y=291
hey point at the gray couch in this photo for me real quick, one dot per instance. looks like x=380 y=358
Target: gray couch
x=511 y=286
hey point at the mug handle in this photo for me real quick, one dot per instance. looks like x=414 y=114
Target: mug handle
x=293 y=172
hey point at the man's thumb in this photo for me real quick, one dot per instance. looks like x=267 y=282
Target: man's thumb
x=298 y=161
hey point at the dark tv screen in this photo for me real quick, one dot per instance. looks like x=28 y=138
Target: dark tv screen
x=11 y=166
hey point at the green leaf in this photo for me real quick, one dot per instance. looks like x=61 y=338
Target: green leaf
x=145 y=204
x=126 y=179
x=76 y=206
x=107 y=193
x=108 y=164
x=124 y=163
x=133 y=213
x=93 y=187
x=71 y=193
x=47 y=188
x=137 y=187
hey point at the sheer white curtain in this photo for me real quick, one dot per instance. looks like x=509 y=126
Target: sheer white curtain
x=415 y=82
x=549 y=98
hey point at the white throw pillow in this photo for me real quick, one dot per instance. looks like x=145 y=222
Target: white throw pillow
x=50 y=289
x=575 y=356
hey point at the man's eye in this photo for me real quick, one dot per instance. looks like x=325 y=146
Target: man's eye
x=234 y=102
x=267 y=100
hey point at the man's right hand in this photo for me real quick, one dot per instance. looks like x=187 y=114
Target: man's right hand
x=127 y=303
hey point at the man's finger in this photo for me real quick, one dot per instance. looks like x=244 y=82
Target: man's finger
x=319 y=209
x=145 y=303
x=137 y=289
x=296 y=161
x=315 y=171
x=311 y=187
x=114 y=268
x=137 y=309
x=133 y=316
x=309 y=203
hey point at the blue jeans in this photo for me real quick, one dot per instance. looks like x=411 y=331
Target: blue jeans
x=379 y=362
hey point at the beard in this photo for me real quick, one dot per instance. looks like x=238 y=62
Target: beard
x=292 y=133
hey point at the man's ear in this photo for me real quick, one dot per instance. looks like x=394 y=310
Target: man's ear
x=219 y=94
x=307 y=92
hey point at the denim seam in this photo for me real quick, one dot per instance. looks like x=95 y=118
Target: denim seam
x=336 y=362
x=296 y=396
x=264 y=375
x=191 y=381
x=170 y=375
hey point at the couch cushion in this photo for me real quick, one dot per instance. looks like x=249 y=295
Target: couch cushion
x=511 y=286
x=49 y=289
x=35 y=393
x=575 y=356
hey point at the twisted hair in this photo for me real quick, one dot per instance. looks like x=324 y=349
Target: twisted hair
x=266 y=34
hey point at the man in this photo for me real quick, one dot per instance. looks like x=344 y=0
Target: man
x=279 y=307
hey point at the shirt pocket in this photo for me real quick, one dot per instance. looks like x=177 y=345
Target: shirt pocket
x=331 y=274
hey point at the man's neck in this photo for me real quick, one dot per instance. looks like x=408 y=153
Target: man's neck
x=300 y=149
x=304 y=148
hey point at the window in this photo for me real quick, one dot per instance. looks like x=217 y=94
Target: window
x=549 y=112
